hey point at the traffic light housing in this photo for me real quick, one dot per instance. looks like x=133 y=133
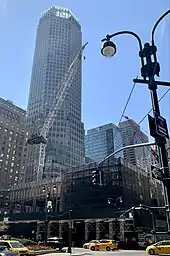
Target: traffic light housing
x=97 y=177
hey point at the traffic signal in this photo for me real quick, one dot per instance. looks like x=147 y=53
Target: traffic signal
x=96 y=178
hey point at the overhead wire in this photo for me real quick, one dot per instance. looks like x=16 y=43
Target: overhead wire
x=152 y=108
x=123 y=112
x=147 y=114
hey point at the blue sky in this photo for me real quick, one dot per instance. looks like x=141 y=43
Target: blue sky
x=106 y=83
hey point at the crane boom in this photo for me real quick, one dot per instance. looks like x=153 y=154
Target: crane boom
x=61 y=94
x=59 y=98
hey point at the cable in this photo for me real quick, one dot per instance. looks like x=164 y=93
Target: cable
x=127 y=102
x=147 y=113
x=152 y=108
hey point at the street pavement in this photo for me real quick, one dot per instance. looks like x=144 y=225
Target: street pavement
x=85 y=252
x=120 y=253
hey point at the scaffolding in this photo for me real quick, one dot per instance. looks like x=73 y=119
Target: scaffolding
x=30 y=193
x=120 y=178
x=75 y=186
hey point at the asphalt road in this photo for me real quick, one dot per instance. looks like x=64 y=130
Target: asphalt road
x=120 y=253
x=83 y=252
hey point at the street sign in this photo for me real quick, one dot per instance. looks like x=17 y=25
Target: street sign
x=158 y=127
x=161 y=126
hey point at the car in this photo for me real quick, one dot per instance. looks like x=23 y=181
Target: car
x=55 y=242
x=159 y=248
x=15 y=246
x=104 y=244
x=86 y=245
x=5 y=252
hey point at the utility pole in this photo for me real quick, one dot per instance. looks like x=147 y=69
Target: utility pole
x=149 y=68
x=158 y=126
x=46 y=216
x=48 y=207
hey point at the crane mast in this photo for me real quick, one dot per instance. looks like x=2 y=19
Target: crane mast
x=41 y=139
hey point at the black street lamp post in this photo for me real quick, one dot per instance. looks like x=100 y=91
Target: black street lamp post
x=48 y=207
x=149 y=68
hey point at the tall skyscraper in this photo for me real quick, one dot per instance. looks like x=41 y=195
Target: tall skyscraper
x=102 y=141
x=132 y=134
x=12 y=144
x=59 y=38
x=168 y=150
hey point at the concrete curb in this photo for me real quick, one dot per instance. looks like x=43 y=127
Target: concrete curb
x=72 y=254
x=81 y=254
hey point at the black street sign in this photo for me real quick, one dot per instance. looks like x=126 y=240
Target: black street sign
x=161 y=126
x=159 y=130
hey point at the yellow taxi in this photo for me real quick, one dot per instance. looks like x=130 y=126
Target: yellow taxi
x=104 y=244
x=15 y=246
x=161 y=247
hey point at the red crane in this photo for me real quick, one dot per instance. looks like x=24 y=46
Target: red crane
x=137 y=131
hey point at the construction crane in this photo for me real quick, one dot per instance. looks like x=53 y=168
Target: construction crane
x=153 y=183
x=41 y=138
x=137 y=131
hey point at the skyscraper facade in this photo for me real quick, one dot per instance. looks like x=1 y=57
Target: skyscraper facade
x=58 y=40
x=132 y=134
x=102 y=141
x=12 y=144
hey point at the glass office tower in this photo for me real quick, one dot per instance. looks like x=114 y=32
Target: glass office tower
x=58 y=40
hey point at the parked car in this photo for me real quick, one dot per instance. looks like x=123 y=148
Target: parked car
x=15 y=246
x=55 y=242
x=4 y=251
x=86 y=245
x=104 y=244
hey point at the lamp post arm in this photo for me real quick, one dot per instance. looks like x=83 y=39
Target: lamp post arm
x=108 y=37
x=127 y=32
x=156 y=24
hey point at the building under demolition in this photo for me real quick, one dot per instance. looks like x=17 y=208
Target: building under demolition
x=75 y=188
x=119 y=179
x=95 y=209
